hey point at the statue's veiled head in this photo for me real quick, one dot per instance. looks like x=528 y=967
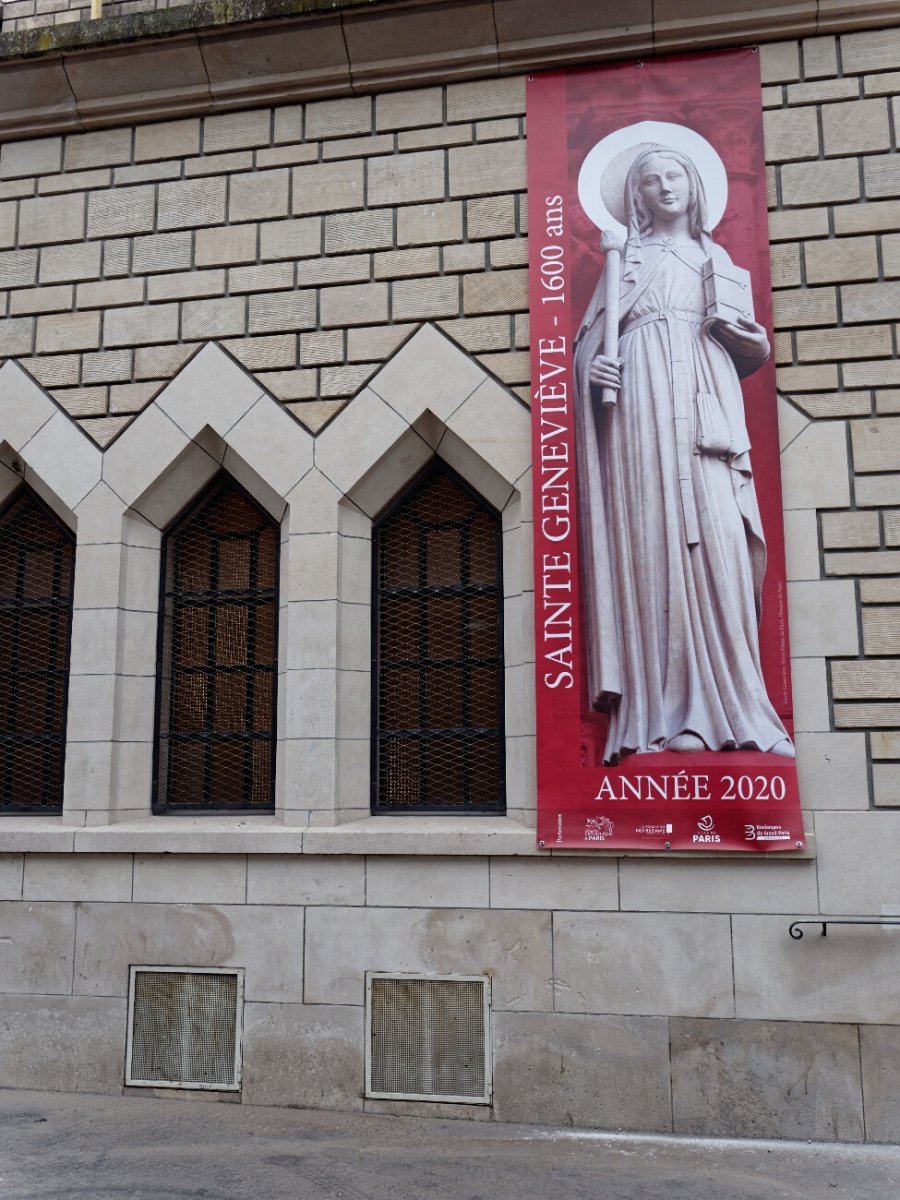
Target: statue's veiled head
x=645 y=197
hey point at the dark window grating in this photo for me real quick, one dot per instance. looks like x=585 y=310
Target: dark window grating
x=428 y=1038
x=438 y=652
x=216 y=670
x=184 y=1028
x=37 y=561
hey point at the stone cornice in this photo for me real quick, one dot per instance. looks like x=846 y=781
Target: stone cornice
x=216 y=55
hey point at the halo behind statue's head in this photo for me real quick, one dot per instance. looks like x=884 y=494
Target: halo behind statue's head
x=601 y=180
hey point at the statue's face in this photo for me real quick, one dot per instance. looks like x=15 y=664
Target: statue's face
x=664 y=187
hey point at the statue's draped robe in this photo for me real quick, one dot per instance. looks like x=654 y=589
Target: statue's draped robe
x=673 y=550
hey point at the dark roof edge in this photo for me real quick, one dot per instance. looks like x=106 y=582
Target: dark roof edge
x=216 y=55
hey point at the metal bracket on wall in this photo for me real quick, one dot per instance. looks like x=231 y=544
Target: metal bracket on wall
x=797 y=933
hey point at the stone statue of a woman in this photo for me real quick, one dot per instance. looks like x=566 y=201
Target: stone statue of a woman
x=672 y=541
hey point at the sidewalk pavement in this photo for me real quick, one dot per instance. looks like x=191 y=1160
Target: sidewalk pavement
x=84 y=1147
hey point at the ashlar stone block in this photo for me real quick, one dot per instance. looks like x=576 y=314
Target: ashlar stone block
x=489 y=168
x=554 y=883
x=832 y=771
x=51 y=219
x=236 y=130
x=425 y=882
x=77 y=877
x=814 y=468
x=791 y=134
x=11 y=866
x=823 y=618
x=325 y=1067
x=18 y=268
x=139 y=326
x=514 y=947
x=606 y=1072
x=63 y=1044
x=876 y=444
x=708 y=886
x=880 y=1056
x=766 y=1079
x=38 y=943
x=167 y=139
x=258 y=195
x=265 y=940
x=683 y=968
x=187 y=203
x=282 y=311
x=855 y=126
x=405 y=110
x=405 y=178
x=118 y=211
x=858 y=874
x=328 y=187
x=36 y=156
x=301 y=879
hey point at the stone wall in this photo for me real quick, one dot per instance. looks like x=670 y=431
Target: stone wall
x=16 y=15
x=312 y=241
x=309 y=240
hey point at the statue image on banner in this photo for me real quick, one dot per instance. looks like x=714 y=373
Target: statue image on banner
x=673 y=553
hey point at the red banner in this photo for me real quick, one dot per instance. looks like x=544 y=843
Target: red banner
x=663 y=681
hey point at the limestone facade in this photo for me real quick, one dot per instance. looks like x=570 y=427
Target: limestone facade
x=359 y=265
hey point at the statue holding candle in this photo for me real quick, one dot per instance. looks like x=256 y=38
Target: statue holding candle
x=673 y=548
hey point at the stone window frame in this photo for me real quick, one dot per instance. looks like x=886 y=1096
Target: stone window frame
x=431 y=399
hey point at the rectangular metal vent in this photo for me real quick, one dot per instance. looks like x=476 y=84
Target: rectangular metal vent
x=428 y=1037
x=184 y=1027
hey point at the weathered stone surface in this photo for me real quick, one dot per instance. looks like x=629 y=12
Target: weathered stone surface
x=703 y=886
x=325 y=1066
x=514 y=947
x=848 y=976
x=611 y=1072
x=267 y=941
x=77 y=877
x=10 y=876
x=305 y=879
x=190 y=878
x=556 y=883
x=880 y=1055
x=71 y=1044
x=847 y=840
x=766 y=1079
x=427 y=882
x=37 y=941
x=642 y=963
x=832 y=771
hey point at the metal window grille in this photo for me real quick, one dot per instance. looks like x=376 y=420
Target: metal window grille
x=184 y=1028
x=427 y=1038
x=37 y=562
x=438 y=652
x=216 y=667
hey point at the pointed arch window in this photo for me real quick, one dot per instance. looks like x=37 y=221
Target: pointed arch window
x=437 y=700
x=216 y=669
x=37 y=563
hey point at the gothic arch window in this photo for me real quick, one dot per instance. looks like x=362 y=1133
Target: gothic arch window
x=217 y=651
x=437 y=702
x=37 y=562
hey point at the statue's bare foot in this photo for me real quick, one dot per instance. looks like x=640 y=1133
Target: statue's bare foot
x=784 y=748
x=684 y=743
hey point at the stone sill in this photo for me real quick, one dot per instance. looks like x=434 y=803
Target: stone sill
x=215 y=56
x=437 y=836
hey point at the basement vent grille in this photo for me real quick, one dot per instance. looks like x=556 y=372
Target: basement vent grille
x=184 y=1028
x=427 y=1038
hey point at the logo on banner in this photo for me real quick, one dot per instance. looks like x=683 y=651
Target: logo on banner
x=707 y=827
x=598 y=829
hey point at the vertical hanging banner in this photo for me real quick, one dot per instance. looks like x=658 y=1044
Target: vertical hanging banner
x=663 y=687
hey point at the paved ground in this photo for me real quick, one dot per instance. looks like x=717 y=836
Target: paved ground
x=110 y=1148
